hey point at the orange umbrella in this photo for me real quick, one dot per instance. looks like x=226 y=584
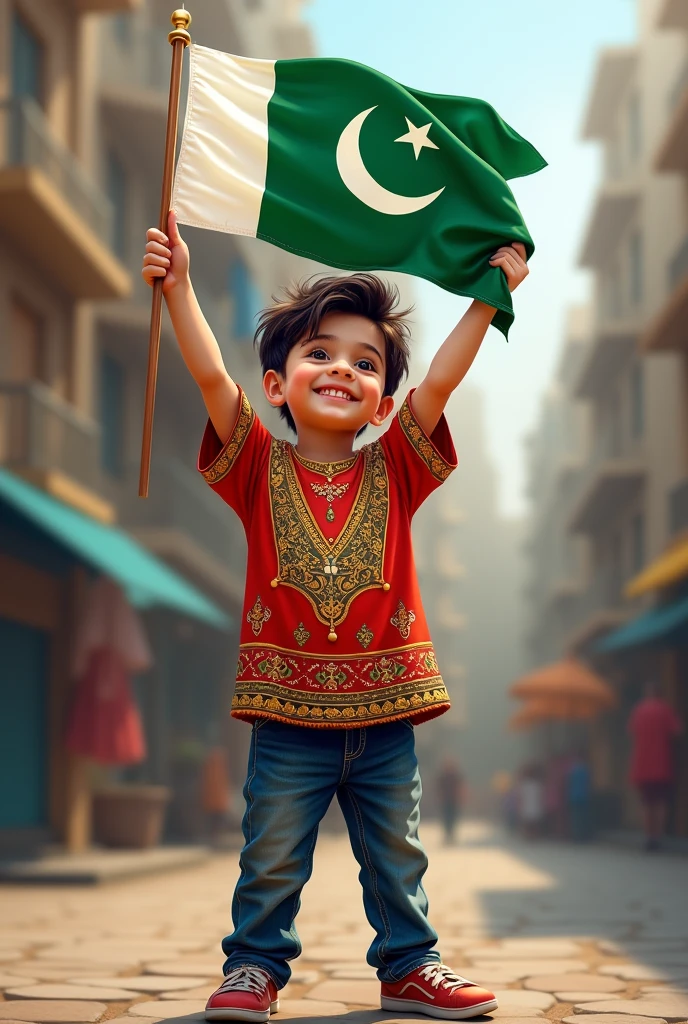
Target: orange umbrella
x=550 y=709
x=578 y=689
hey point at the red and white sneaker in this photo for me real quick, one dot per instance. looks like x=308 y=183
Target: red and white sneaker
x=247 y=993
x=434 y=989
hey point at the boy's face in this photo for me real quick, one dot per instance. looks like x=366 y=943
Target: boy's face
x=334 y=382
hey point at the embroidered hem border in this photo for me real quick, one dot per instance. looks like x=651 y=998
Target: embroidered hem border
x=384 y=705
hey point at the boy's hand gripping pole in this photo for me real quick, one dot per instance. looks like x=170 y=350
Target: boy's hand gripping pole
x=179 y=38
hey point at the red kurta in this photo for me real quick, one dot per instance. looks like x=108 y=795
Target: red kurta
x=333 y=631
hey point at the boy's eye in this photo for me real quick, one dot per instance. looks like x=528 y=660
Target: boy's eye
x=365 y=364
x=319 y=353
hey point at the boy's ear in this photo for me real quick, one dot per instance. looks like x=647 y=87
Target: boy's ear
x=384 y=409
x=273 y=386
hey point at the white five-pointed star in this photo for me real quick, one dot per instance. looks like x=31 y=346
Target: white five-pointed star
x=418 y=137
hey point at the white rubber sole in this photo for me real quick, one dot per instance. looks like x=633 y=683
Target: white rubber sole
x=232 y=1013
x=415 y=1005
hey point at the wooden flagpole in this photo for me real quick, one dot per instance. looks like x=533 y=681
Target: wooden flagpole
x=179 y=39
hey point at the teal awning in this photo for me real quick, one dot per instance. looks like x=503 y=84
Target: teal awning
x=661 y=623
x=145 y=579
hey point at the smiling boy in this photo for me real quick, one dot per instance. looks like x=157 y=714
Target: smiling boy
x=336 y=666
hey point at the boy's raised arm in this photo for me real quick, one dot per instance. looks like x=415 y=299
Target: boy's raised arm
x=454 y=357
x=167 y=256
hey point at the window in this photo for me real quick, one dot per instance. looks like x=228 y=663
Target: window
x=636 y=270
x=112 y=383
x=117 y=194
x=637 y=542
x=27 y=343
x=27 y=60
x=635 y=138
x=637 y=400
x=246 y=299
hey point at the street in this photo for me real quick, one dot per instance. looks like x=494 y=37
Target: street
x=556 y=930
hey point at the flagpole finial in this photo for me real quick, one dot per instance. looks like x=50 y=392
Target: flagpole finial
x=181 y=19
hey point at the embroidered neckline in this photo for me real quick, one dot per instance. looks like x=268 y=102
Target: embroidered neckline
x=327 y=469
x=329 y=574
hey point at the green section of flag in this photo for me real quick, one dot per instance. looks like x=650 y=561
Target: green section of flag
x=309 y=210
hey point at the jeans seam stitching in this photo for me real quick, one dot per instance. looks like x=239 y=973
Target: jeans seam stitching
x=309 y=860
x=373 y=876
x=249 y=801
x=361 y=745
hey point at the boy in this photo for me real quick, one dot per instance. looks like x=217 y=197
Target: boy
x=333 y=632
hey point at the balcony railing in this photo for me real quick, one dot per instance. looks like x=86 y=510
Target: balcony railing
x=678 y=266
x=604 y=593
x=180 y=499
x=141 y=59
x=27 y=141
x=39 y=431
x=678 y=508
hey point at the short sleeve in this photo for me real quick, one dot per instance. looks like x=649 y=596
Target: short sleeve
x=420 y=463
x=233 y=469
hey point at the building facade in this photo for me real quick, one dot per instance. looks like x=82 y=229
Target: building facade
x=626 y=498
x=83 y=95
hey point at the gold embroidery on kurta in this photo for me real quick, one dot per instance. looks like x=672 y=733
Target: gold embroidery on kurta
x=322 y=709
x=331 y=676
x=435 y=462
x=402 y=619
x=301 y=634
x=326 y=469
x=364 y=636
x=228 y=456
x=258 y=615
x=329 y=575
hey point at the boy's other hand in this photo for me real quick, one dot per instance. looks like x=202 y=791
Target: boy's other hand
x=167 y=256
x=512 y=260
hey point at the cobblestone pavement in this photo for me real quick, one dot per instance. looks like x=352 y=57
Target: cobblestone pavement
x=557 y=931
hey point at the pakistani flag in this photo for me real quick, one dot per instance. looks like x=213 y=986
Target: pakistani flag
x=332 y=160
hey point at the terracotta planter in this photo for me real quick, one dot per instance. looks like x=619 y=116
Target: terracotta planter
x=129 y=816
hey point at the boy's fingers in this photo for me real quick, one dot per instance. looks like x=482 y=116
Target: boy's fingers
x=153 y=235
x=520 y=249
x=159 y=248
x=151 y=259
x=175 y=237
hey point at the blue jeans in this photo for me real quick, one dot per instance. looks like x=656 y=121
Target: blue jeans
x=293 y=774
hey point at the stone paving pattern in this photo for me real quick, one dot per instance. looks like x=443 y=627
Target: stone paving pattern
x=583 y=935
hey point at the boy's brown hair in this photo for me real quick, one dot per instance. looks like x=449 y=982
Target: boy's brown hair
x=298 y=315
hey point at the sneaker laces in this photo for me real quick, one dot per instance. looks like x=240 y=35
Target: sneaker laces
x=245 y=979
x=440 y=974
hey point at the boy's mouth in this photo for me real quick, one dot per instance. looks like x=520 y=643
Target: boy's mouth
x=336 y=393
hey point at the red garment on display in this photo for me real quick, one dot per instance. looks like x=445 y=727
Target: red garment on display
x=333 y=631
x=105 y=725
x=653 y=725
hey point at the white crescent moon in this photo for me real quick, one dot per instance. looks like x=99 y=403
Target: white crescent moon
x=357 y=179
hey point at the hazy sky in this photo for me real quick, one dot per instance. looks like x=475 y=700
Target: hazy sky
x=533 y=60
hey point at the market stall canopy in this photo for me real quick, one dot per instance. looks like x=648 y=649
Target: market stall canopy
x=669 y=568
x=145 y=579
x=568 y=681
x=667 y=621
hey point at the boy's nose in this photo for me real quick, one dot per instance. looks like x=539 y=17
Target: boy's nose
x=343 y=370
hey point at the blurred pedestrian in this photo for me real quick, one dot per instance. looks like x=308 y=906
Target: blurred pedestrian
x=653 y=725
x=450 y=791
x=578 y=792
x=531 y=801
x=215 y=798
